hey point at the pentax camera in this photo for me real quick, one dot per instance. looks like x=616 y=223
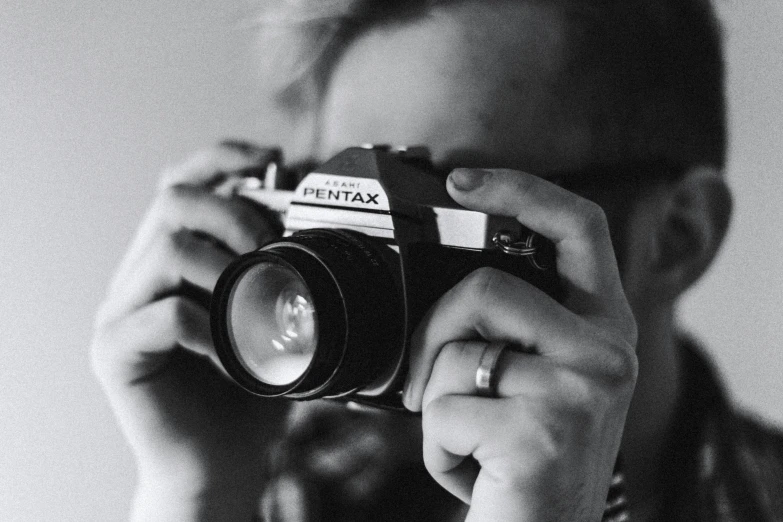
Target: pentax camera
x=371 y=240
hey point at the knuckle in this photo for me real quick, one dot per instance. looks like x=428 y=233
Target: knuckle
x=629 y=329
x=172 y=253
x=581 y=399
x=430 y=464
x=483 y=283
x=432 y=414
x=544 y=439
x=431 y=461
x=172 y=195
x=448 y=371
x=169 y=201
x=591 y=218
x=449 y=357
x=177 y=313
x=546 y=434
x=618 y=364
x=523 y=185
x=623 y=363
x=102 y=316
x=109 y=341
x=577 y=390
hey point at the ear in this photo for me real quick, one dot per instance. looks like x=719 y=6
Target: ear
x=692 y=221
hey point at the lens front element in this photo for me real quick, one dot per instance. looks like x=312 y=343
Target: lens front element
x=317 y=314
x=273 y=324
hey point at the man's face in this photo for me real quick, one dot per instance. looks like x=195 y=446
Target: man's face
x=473 y=84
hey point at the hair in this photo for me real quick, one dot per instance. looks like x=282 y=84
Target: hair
x=646 y=75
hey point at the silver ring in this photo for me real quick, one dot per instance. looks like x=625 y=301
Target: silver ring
x=486 y=373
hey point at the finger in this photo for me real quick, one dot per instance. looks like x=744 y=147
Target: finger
x=234 y=225
x=577 y=226
x=454 y=372
x=519 y=374
x=176 y=207
x=468 y=455
x=495 y=306
x=234 y=222
x=176 y=259
x=226 y=157
x=453 y=428
x=140 y=344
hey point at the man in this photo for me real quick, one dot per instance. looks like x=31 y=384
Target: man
x=623 y=103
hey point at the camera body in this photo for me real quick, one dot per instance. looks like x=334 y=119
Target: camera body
x=372 y=239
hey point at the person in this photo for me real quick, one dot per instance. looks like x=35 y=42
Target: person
x=623 y=103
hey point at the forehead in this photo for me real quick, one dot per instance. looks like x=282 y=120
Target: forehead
x=478 y=85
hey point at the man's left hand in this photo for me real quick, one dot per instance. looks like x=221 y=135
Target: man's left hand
x=544 y=448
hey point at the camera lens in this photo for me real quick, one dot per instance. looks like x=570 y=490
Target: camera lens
x=318 y=314
x=272 y=323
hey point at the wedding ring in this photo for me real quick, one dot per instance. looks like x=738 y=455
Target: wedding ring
x=486 y=373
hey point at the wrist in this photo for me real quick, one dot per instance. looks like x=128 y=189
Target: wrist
x=165 y=501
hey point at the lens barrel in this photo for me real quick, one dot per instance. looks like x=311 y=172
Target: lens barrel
x=318 y=314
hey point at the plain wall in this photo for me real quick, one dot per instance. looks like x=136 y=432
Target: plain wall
x=97 y=97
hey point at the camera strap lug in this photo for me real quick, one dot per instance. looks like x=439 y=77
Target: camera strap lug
x=505 y=241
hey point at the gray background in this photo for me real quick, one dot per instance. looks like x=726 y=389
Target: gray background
x=96 y=97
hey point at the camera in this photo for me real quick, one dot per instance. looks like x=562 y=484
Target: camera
x=371 y=240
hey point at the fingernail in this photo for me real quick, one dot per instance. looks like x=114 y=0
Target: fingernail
x=467 y=179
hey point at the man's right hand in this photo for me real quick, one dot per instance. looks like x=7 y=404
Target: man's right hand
x=199 y=440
